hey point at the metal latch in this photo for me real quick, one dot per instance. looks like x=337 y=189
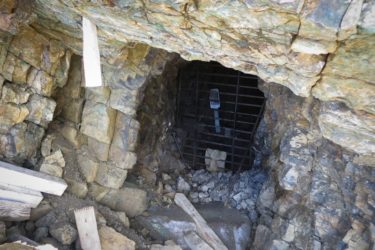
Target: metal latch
x=215 y=105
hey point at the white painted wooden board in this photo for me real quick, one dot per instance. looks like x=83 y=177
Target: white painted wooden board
x=91 y=55
x=26 y=178
x=19 y=194
x=87 y=228
x=14 y=211
x=194 y=242
x=203 y=230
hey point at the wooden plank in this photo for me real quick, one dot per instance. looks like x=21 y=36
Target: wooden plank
x=204 y=231
x=91 y=55
x=87 y=228
x=194 y=242
x=29 y=179
x=14 y=211
x=19 y=194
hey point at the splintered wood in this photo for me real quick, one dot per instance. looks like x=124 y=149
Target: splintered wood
x=91 y=55
x=20 y=190
x=87 y=228
x=203 y=230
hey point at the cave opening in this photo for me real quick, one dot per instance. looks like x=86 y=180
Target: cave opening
x=219 y=110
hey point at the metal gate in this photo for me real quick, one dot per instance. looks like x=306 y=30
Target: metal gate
x=231 y=126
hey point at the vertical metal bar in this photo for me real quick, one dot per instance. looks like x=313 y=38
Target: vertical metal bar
x=196 y=70
x=235 y=118
x=178 y=100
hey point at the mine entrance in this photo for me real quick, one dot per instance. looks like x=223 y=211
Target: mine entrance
x=219 y=109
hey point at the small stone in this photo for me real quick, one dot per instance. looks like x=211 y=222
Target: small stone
x=110 y=239
x=41 y=110
x=123 y=218
x=30 y=226
x=182 y=185
x=63 y=232
x=87 y=166
x=14 y=94
x=41 y=210
x=40 y=233
x=53 y=164
x=46 y=148
x=41 y=82
x=168 y=188
x=215 y=160
x=77 y=188
x=165 y=177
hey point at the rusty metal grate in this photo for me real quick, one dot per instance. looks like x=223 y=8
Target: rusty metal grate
x=241 y=107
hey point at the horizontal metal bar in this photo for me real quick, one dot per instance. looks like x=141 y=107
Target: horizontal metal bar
x=215 y=143
x=227 y=84
x=228 y=153
x=222 y=119
x=228 y=94
x=225 y=137
x=235 y=130
x=227 y=75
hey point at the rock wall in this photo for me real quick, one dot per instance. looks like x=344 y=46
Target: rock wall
x=319 y=196
x=321 y=191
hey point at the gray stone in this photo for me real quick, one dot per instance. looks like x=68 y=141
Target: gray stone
x=53 y=164
x=124 y=100
x=98 y=121
x=347 y=128
x=232 y=227
x=182 y=185
x=132 y=201
x=41 y=110
x=40 y=233
x=65 y=233
x=99 y=149
x=87 y=165
x=110 y=176
x=110 y=239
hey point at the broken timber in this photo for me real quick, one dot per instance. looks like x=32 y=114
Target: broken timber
x=20 y=190
x=203 y=230
x=87 y=228
x=26 y=178
x=91 y=55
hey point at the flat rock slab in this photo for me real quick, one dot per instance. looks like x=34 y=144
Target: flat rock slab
x=232 y=227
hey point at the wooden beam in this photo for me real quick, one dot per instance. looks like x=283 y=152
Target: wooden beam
x=14 y=211
x=91 y=55
x=87 y=228
x=194 y=242
x=26 y=178
x=203 y=230
x=19 y=194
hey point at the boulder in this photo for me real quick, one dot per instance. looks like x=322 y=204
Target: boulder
x=65 y=233
x=232 y=227
x=110 y=239
x=41 y=82
x=132 y=201
x=98 y=121
x=124 y=100
x=14 y=94
x=110 y=176
x=97 y=148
